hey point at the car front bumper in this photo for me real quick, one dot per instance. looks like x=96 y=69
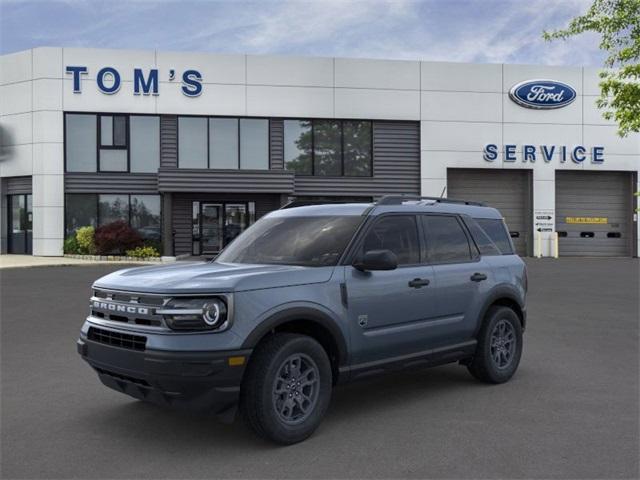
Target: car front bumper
x=207 y=381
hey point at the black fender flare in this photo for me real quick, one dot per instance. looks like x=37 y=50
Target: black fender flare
x=300 y=313
x=499 y=293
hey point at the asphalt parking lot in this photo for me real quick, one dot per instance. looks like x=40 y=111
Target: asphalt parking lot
x=572 y=411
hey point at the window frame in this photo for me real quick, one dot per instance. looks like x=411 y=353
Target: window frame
x=474 y=253
x=98 y=116
x=233 y=117
x=101 y=147
x=341 y=121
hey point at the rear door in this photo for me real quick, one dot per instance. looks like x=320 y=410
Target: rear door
x=462 y=276
x=390 y=311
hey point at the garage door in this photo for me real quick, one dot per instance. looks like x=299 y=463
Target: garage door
x=593 y=213
x=506 y=190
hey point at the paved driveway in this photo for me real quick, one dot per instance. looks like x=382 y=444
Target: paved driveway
x=570 y=412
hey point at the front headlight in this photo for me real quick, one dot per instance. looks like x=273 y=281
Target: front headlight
x=196 y=313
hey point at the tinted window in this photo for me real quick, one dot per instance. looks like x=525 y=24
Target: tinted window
x=113 y=160
x=80 y=142
x=398 y=234
x=446 y=240
x=497 y=232
x=254 y=144
x=482 y=240
x=327 y=148
x=297 y=146
x=307 y=241
x=145 y=143
x=112 y=208
x=145 y=216
x=81 y=210
x=223 y=143
x=357 y=148
x=192 y=142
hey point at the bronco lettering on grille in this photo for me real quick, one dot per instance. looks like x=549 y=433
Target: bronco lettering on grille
x=117 y=307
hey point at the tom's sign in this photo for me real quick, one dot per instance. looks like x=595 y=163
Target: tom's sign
x=108 y=80
x=542 y=94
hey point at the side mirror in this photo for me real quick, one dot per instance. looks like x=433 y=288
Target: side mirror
x=377 y=260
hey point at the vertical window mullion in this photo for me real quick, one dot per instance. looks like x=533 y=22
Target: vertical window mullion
x=208 y=143
x=313 y=148
x=239 y=124
x=342 y=148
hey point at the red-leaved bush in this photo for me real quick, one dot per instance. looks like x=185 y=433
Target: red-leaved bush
x=115 y=238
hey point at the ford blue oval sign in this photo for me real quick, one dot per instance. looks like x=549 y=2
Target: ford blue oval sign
x=542 y=94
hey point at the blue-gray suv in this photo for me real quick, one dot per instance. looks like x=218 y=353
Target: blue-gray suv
x=309 y=297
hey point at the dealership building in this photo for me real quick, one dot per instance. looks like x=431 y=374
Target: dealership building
x=191 y=148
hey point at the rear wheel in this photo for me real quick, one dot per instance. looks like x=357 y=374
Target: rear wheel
x=499 y=346
x=287 y=388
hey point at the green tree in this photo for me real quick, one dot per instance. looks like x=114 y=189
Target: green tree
x=618 y=23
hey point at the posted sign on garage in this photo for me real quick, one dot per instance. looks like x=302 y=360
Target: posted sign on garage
x=544 y=220
x=587 y=220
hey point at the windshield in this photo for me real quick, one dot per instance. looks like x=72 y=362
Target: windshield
x=315 y=241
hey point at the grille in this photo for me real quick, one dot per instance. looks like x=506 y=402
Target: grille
x=131 y=308
x=117 y=339
x=119 y=376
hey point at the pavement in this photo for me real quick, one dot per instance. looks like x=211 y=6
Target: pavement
x=571 y=411
x=25 y=261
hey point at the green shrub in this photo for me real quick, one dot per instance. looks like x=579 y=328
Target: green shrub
x=71 y=245
x=84 y=237
x=143 y=252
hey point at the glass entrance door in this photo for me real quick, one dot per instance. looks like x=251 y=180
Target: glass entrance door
x=211 y=228
x=20 y=222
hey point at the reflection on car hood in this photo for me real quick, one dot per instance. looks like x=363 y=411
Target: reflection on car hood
x=206 y=277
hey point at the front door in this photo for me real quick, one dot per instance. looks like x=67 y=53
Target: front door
x=391 y=313
x=20 y=221
x=211 y=228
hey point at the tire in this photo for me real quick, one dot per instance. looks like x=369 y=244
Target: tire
x=496 y=359
x=275 y=407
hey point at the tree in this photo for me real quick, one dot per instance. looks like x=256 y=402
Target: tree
x=618 y=23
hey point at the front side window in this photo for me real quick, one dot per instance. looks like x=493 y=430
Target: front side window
x=446 y=240
x=80 y=142
x=316 y=241
x=399 y=234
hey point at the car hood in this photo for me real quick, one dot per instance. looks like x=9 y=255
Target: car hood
x=207 y=277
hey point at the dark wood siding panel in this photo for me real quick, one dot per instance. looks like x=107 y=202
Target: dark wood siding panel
x=276 y=144
x=168 y=141
x=396 y=166
x=225 y=181
x=111 y=183
x=182 y=213
x=18 y=185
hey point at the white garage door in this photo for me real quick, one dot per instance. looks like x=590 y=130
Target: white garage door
x=594 y=213
x=507 y=190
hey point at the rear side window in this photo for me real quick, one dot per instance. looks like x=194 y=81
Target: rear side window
x=484 y=243
x=398 y=234
x=497 y=232
x=446 y=240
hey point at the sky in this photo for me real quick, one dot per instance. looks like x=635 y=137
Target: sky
x=484 y=31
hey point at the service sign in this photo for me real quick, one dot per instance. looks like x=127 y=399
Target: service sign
x=542 y=94
x=544 y=220
x=587 y=220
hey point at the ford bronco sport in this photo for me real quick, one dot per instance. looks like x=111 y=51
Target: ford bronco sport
x=309 y=297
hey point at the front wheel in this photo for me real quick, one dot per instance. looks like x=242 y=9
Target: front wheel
x=287 y=388
x=499 y=346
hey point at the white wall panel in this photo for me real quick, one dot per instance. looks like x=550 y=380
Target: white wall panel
x=377 y=104
x=47 y=62
x=16 y=161
x=459 y=136
x=290 y=101
x=48 y=191
x=461 y=77
x=391 y=74
x=48 y=126
x=93 y=100
x=15 y=67
x=571 y=114
x=48 y=222
x=289 y=71
x=15 y=129
x=48 y=159
x=607 y=136
x=215 y=99
x=592 y=114
x=124 y=61
x=514 y=74
x=47 y=247
x=591 y=78
x=461 y=106
x=47 y=94
x=214 y=68
x=15 y=98
x=542 y=134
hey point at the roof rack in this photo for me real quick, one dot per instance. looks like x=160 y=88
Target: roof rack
x=399 y=199
x=306 y=203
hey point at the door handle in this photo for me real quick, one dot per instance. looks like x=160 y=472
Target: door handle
x=478 y=277
x=418 y=282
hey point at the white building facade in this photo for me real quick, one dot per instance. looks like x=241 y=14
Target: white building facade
x=191 y=148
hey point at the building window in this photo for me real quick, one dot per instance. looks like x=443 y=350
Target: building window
x=297 y=146
x=112 y=143
x=192 y=142
x=329 y=147
x=254 y=144
x=80 y=142
x=144 y=149
x=141 y=212
x=223 y=143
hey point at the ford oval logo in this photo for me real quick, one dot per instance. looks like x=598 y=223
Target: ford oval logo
x=542 y=94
